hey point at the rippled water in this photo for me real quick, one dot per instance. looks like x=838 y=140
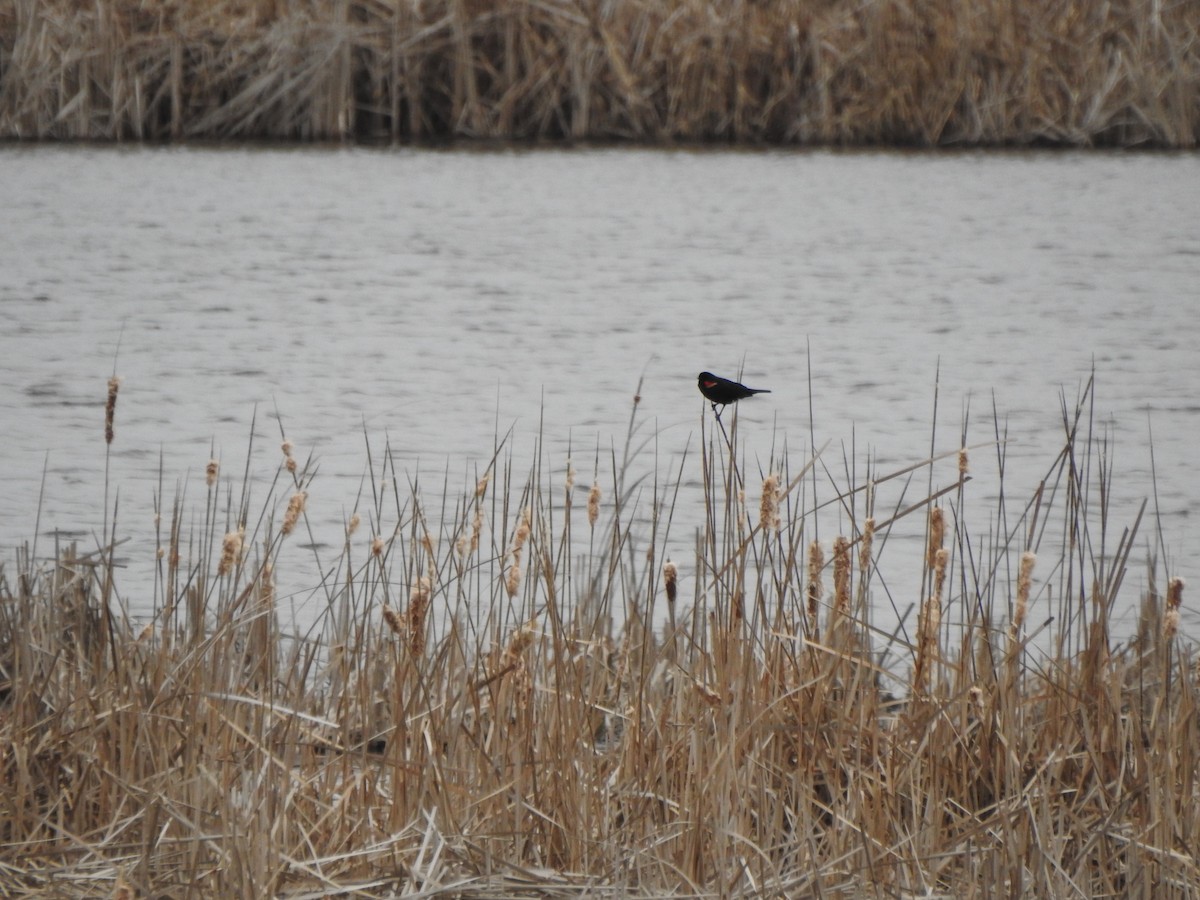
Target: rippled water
x=436 y=299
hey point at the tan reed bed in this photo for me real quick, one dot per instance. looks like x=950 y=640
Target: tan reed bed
x=924 y=73
x=513 y=693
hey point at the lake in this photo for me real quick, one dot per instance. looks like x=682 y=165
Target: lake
x=434 y=300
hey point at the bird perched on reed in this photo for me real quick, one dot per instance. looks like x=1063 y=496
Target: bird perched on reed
x=721 y=391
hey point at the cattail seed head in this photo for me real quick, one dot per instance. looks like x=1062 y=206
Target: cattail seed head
x=481 y=485
x=352 y=525
x=941 y=560
x=841 y=574
x=594 y=504
x=963 y=467
x=211 y=471
x=570 y=477
x=294 y=510
x=393 y=620
x=377 y=546
x=512 y=581
x=110 y=408
x=1174 y=593
x=937 y=533
x=670 y=576
x=1024 y=581
x=768 y=509
x=864 y=549
x=418 y=606
x=231 y=551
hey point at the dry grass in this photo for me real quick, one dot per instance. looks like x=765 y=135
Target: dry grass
x=591 y=728
x=926 y=73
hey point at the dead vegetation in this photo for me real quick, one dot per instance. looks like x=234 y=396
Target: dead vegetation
x=795 y=72
x=530 y=699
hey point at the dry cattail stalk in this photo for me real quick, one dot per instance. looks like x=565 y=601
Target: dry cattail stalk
x=1024 y=580
x=110 y=408
x=418 y=606
x=594 y=504
x=841 y=574
x=937 y=533
x=962 y=463
x=352 y=525
x=670 y=576
x=267 y=585
x=231 y=551
x=294 y=510
x=864 y=549
x=816 y=562
x=768 y=509
x=211 y=471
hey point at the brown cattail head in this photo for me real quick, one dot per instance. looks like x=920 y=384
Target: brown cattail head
x=594 y=504
x=469 y=544
x=1175 y=593
x=768 y=509
x=110 y=408
x=1024 y=581
x=211 y=471
x=377 y=545
x=352 y=525
x=570 y=477
x=962 y=463
x=941 y=559
x=1174 y=601
x=929 y=622
x=294 y=510
x=481 y=485
x=231 y=551
x=418 y=606
x=512 y=581
x=864 y=548
x=670 y=576
x=289 y=461
x=393 y=620
x=937 y=533
x=841 y=574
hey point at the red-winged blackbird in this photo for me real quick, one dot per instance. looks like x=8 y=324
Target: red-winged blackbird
x=721 y=391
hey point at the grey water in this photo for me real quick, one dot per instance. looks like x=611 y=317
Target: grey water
x=435 y=300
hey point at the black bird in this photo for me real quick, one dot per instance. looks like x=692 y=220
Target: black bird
x=721 y=391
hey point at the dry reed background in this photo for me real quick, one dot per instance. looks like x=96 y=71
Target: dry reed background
x=526 y=701
x=929 y=72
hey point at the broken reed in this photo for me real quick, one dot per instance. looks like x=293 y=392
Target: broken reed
x=448 y=726
x=803 y=72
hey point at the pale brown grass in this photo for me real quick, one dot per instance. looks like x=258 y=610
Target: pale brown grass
x=925 y=73
x=575 y=736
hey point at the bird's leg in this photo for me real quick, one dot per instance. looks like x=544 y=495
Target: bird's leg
x=717 y=412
